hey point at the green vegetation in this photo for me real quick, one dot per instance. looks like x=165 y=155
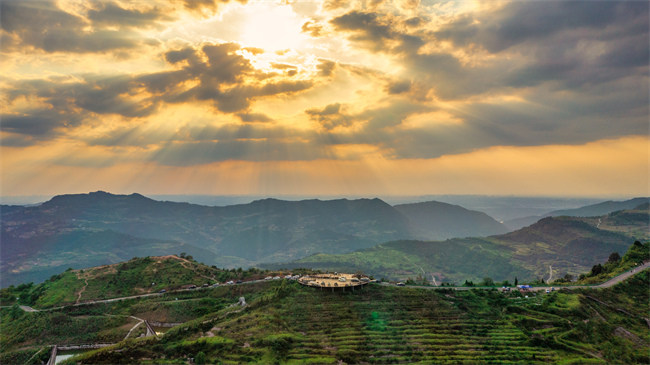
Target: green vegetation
x=285 y=322
x=569 y=245
x=288 y=323
x=134 y=277
x=449 y=261
x=615 y=265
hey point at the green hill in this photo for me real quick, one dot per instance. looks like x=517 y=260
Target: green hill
x=548 y=249
x=134 y=277
x=288 y=323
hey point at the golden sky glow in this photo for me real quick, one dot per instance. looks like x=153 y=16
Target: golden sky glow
x=324 y=98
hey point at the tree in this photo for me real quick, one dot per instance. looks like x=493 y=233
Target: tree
x=200 y=358
x=182 y=255
x=596 y=269
x=614 y=257
x=516 y=281
x=487 y=282
x=568 y=278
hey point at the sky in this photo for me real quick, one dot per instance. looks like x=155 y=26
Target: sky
x=401 y=97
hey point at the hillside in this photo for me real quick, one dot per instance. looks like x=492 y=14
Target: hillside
x=438 y=221
x=284 y=322
x=592 y=210
x=83 y=230
x=137 y=276
x=548 y=249
x=33 y=259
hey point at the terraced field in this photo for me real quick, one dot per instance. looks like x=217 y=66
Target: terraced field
x=285 y=322
x=383 y=325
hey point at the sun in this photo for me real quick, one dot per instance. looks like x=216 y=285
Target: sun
x=272 y=27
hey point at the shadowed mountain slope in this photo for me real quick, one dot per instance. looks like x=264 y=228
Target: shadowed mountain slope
x=437 y=221
x=100 y=228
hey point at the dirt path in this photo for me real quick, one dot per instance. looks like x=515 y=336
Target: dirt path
x=185 y=263
x=82 y=290
x=140 y=321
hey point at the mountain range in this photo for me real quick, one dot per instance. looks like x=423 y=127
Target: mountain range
x=83 y=230
x=591 y=210
x=546 y=250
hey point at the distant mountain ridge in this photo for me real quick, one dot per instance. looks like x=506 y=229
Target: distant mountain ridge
x=267 y=230
x=437 y=221
x=586 y=211
x=549 y=248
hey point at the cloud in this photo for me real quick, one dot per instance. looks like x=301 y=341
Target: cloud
x=368 y=27
x=109 y=13
x=42 y=25
x=212 y=72
x=194 y=145
x=39 y=123
x=254 y=117
x=326 y=67
x=399 y=87
x=312 y=28
x=330 y=117
x=519 y=22
x=205 y=7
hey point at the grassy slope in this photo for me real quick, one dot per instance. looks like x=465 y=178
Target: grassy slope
x=451 y=261
x=287 y=323
x=82 y=247
x=132 y=277
x=636 y=254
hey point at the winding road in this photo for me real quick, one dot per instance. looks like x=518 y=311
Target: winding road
x=613 y=281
